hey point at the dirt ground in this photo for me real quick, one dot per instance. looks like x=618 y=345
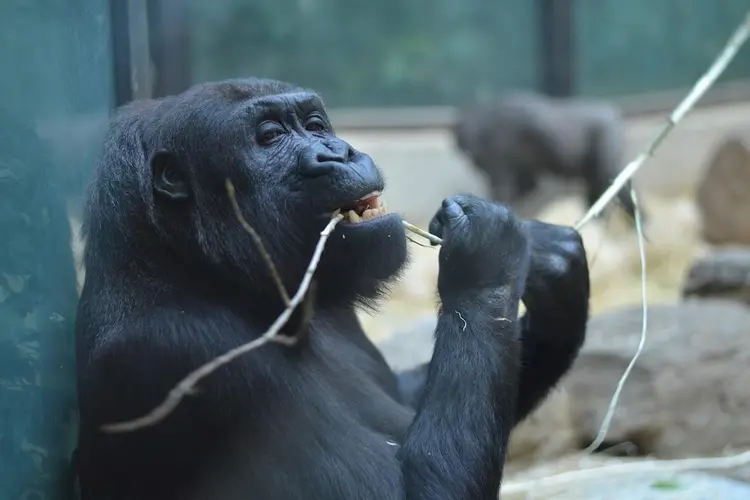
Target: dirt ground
x=422 y=167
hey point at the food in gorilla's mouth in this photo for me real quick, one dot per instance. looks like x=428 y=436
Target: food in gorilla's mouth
x=366 y=208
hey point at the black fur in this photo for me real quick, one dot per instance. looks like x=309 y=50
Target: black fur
x=172 y=280
x=522 y=136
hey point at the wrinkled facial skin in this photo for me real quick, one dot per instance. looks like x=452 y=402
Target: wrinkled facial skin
x=275 y=143
x=315 y=174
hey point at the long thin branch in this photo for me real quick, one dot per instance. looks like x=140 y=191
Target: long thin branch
x=738 y=38
x=602 y=434
x=435 y=240
x=735 y=42
x=732 y=47
x=258 y=242
x=187 y=385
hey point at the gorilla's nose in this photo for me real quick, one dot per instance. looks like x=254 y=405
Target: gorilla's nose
x=322 y=159
x=328 y=155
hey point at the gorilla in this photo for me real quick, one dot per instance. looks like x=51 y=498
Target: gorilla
x=173 y=280
x=523 y=136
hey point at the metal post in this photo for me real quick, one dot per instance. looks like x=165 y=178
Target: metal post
x=130 y=45
x=170 y=46
x=557 y=51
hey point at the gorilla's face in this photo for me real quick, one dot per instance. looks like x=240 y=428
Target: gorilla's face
x=291 y=175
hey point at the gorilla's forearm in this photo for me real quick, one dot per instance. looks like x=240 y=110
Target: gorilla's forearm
x=475 y=367
x=549 y=346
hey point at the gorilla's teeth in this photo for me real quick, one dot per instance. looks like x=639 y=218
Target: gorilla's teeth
x=370 y=214
x=353 y=217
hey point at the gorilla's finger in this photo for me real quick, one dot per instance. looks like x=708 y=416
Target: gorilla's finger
x=451 y=208
x=436 y=228
x=449 y=212
x=437 y=223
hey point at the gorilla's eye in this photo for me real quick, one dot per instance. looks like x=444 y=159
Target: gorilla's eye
x=170 y=175
x=316 y=124
x=269 y=131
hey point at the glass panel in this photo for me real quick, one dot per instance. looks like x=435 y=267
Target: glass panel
x=634 y=46
x=364 y=53
x=55 y=98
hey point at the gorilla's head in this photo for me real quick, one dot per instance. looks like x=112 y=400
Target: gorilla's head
x=159 y=202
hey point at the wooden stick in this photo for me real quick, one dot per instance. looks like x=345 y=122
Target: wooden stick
x=424 y=234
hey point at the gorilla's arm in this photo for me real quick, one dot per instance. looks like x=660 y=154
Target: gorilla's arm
x=557 y=299
x=457 y=450
x=135 y=366
x=452 y=450
x=553 y=329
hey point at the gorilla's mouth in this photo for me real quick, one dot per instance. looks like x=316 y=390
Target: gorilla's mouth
x=367 y=208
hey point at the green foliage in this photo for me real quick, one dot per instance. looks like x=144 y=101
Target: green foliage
x=361 y=53
x=667 y=485
x=425 y=52
x=644 y=46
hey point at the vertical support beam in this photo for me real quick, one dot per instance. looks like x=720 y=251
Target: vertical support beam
x=556 y=32
x=133 y=73
x=119 y=22
x=170 y=46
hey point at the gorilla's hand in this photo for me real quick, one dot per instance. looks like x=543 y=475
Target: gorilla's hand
x=558 y=278
x=485 y=247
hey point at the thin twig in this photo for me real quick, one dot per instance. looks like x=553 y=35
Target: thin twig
x=258 y=242
x=738 y=38
x=538 y=485
x=733 y=45
x=644 y=328
x=187 y=385
x=307 y=311
x=421 y=232
x=736 y=41
x=424 y=245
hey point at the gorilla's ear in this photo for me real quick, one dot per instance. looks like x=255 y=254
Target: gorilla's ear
x=169 y=178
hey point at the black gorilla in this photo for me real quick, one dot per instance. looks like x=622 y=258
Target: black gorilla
x=522 y=136
x=172 y=280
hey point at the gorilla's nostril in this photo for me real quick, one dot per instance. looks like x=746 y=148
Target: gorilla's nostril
x=329 y=156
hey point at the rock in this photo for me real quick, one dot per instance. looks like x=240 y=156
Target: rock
x=687 y=394
x=548 y=432
x=723 y=194
x=722 y=274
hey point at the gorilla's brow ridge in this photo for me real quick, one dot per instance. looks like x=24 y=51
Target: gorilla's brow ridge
x=302 y=101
